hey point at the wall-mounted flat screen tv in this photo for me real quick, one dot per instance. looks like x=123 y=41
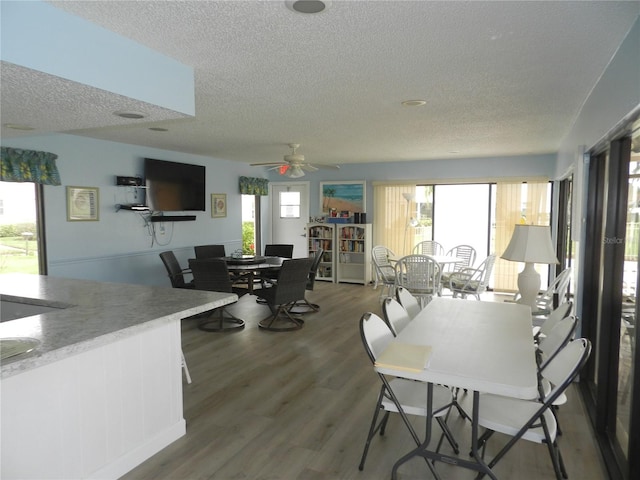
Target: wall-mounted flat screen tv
x=174 y=186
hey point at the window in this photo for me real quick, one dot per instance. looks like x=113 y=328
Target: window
x=289 y=204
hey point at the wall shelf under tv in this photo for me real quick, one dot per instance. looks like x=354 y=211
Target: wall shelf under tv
x=173 y=218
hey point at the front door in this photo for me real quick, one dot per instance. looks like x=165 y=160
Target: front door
x=290 y=215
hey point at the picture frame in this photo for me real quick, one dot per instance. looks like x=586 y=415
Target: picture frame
x=83 y=204
x=343 y=196
x=218 y=205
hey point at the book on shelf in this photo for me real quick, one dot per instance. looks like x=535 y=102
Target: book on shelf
x=404 y=356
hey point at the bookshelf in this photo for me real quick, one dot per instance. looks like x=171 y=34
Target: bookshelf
x=353 y=261
x=322 y=235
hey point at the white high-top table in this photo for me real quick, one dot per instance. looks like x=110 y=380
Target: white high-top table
x=483 y=347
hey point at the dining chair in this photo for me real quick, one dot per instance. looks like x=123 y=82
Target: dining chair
x=399 y=395
x=557 y=289
x=278 y=250
x=281 y=296
x=420 y=274
x=534 y=420
x=385 y=272
x=395 y=315
x=212 y=274
x=304 y=306
x=175 y=271
x=210 y=251
x=428 y=247
x=408 y=301
x=559 y=336
x=282 y=250
x=552 y=319
x=467 y=255
x=472 y=281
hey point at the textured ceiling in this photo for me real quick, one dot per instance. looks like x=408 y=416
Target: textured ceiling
x=499 y=78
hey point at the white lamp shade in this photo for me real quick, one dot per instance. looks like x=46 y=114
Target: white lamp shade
x=531 y=244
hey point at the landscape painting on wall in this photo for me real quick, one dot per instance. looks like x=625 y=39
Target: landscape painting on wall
x=342 y=196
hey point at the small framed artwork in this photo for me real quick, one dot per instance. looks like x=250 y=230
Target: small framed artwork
x=218 y=205
x=82 y=204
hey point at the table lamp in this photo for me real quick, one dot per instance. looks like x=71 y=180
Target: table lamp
x=530 y=244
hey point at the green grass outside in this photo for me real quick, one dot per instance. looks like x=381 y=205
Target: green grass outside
x=14 y=257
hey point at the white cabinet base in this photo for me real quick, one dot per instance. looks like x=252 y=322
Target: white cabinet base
x=97 y=414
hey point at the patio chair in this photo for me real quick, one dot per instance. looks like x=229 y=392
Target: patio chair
x=288 y=289
x=212 y=274
x=175 y=271
x=210 y=251
x=472 y=281
x=385 y=272
x=304 y=306
x=466 y=253
x=420 y=274
x=428 y=247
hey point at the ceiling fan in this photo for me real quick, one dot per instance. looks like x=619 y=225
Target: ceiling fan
x=293 y=165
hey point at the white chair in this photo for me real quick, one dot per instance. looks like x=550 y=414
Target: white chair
x=552 y=319
x=396 y=316
x=559 y=336
x=408 y=301
x=428 y=247
x=384 y=269
x=420 y=274
x=399 y=395
x=534 y=420
x=472 y=281
x=466 y=253
x=558 y=286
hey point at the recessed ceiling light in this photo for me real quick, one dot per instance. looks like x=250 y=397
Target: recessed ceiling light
x=18 y=126
x=307 y=6
x=130 y=115
x=414 y=103
x=158 y=129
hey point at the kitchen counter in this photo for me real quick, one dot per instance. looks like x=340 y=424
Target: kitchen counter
x=87 y=314
x=102 y=390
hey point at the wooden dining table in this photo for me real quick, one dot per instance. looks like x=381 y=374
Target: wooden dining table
x=482 y=347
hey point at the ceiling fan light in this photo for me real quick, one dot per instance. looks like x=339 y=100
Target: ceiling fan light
x=295 y=172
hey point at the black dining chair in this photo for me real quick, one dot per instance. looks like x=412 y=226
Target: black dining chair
x=212 y=274
x=283 y=250
x=289 y=288
x=175 y=271
x=304 y=306
x=210 y=251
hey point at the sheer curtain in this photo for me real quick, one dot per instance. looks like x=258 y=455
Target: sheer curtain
x=391 y=226
x=526 y=203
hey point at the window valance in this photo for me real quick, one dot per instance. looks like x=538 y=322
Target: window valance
x=254 y=186
x=17 y=165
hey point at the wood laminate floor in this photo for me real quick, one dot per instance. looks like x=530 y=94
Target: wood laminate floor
x=297 y=405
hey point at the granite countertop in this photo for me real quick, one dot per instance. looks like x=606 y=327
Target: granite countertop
x=89 y=314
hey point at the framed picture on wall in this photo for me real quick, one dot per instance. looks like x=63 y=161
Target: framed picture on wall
x=218 y=205
x=82 y=204
x=343 y=196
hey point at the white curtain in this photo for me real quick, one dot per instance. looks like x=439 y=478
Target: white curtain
x=391 y=226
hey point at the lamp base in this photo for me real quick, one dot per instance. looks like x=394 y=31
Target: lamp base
x=528 y=285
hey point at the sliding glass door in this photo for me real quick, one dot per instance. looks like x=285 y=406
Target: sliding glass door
x=609 y=308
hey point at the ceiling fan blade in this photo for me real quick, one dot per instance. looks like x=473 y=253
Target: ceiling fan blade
x=327 y=166
x=308 y=168
x=267 y=164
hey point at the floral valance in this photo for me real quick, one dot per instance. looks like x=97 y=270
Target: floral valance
x=17 y=165
x=254 y=186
